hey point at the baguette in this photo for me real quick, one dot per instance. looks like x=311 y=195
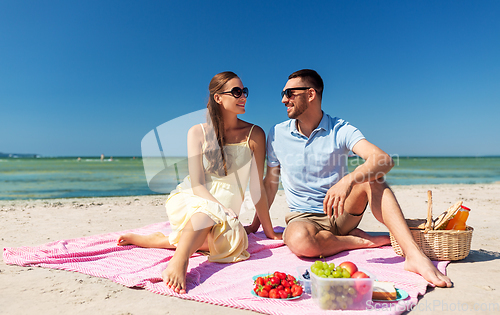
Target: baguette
x=383 y=290
x=429 y=224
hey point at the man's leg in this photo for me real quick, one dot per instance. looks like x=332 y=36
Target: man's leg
x=305 y=239
x=386 y=209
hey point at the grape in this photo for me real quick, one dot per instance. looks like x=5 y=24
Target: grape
x=340 y=298
x=349 y=300
x=318 y=263
x=314 y=269
x=337 y=274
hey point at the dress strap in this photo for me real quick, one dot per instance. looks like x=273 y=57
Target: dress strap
x=204 y=134
x=250 y=133
x=204 y=137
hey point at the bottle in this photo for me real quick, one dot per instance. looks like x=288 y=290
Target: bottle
x=458 y=221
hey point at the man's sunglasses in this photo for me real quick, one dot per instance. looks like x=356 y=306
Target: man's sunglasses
x=237 y=92
x=288 y=92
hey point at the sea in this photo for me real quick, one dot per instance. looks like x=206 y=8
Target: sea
x=70 y=177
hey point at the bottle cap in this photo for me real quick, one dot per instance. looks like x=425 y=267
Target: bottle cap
x=465 y=208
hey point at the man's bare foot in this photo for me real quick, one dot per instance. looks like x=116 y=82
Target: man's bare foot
x=174 y=275
x=422 y=265
x=370 y=240
x=154 y=240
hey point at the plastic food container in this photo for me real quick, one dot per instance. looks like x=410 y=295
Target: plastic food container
x=306 y=283
x=342 y=293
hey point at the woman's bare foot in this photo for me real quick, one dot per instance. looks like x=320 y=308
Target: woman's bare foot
x=174 y=275
x=370 y=240
x=154 y=240
x=422 y=265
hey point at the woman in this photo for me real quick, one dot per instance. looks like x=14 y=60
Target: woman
x=202 y=210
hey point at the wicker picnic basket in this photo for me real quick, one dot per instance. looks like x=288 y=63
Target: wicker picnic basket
x=437 y=243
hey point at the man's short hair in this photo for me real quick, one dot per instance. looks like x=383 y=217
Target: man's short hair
x=311 y=77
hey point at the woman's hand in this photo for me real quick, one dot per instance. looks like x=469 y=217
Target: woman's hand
x=251 y=229
x=254 y=227
x=230 y=213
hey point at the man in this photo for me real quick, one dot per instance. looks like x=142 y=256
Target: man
x=326 y=202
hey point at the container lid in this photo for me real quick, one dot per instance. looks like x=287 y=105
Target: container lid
x=465 y=208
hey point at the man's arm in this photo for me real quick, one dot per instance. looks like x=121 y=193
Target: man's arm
x=377 y=164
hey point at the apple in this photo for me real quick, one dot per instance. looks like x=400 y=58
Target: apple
x=359 y=274
x=362 y=287
x=351 y=267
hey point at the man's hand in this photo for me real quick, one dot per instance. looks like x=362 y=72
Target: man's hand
x=277 y=236
x=336 y=196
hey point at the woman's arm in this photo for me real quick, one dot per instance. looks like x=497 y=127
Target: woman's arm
x=196 y=170
x=257 y=190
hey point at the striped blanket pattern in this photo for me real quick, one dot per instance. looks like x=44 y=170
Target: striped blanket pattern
x=220 y=284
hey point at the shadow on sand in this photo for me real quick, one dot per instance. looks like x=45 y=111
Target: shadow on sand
x=479 y=255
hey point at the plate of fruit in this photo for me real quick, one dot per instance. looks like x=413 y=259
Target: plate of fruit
x=277 y=285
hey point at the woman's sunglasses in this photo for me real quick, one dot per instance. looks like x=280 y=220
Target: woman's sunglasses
x=237 y=92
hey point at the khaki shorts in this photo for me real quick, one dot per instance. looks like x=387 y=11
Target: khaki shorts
x=340 y=226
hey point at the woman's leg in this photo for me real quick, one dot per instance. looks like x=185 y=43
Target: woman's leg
x=154 y=240
x=194 y=236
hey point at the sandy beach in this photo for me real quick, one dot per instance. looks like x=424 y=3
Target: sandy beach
x=46 y=291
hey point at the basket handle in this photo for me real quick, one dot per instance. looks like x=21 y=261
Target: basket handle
x=429 y=224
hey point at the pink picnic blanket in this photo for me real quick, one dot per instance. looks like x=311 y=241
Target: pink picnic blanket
x=215 y=283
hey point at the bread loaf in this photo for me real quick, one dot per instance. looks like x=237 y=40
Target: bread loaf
x=383 y=290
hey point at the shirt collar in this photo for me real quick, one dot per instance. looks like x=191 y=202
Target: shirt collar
x=323 y=125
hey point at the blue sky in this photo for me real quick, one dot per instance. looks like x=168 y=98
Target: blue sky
x=81 y=78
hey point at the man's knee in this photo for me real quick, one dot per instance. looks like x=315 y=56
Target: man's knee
x=375 y=186
x=379 y=183
x=365 y=193
x=301 y=243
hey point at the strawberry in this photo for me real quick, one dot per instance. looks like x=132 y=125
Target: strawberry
x=283 y=294
x=273 y=294
x=296 y=290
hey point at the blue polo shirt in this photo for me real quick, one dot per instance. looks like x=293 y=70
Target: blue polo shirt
x=310 y=166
